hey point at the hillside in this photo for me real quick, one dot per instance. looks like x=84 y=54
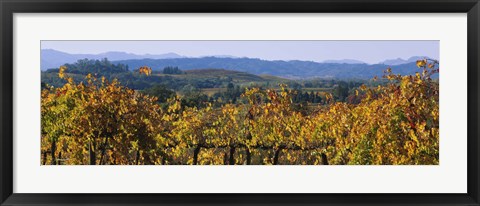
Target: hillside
x=295 y=69
x=235 y=76
x=53 y=59
x=198 y=78
x=284 y=69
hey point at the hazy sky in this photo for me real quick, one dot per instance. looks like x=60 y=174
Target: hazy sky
x=367 y=51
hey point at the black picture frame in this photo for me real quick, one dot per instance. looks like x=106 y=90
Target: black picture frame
x=9 y=7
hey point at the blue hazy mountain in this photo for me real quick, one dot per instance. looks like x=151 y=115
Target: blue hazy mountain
x=53 y=59
x=286 y=69
x=222 y=56
x=344 y=61
x=399 y=61
x=295 y=69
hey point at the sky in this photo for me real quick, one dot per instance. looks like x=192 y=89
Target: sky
x=367 y=51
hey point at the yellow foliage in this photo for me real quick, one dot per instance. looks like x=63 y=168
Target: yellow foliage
x=106 y=123
x=145 y=70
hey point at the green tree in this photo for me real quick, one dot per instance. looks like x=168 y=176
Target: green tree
x=161 y=92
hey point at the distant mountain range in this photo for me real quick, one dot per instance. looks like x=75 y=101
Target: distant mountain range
x=285 y=69
x=295 y=69
x=53 y=59
x=344 y=61
x=399 y=61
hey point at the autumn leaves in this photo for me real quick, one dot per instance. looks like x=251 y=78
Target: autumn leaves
x=102 y=122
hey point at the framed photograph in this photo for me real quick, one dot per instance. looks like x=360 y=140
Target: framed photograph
x=266 y=102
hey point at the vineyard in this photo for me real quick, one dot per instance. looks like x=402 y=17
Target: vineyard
x=101 y=122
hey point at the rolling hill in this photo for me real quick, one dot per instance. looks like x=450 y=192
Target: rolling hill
x=53 y=59
x=235 y=76
x=285 y=69
x=295 y=69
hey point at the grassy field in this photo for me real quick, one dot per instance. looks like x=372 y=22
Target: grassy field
x=211 y=91
x=241 y=79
